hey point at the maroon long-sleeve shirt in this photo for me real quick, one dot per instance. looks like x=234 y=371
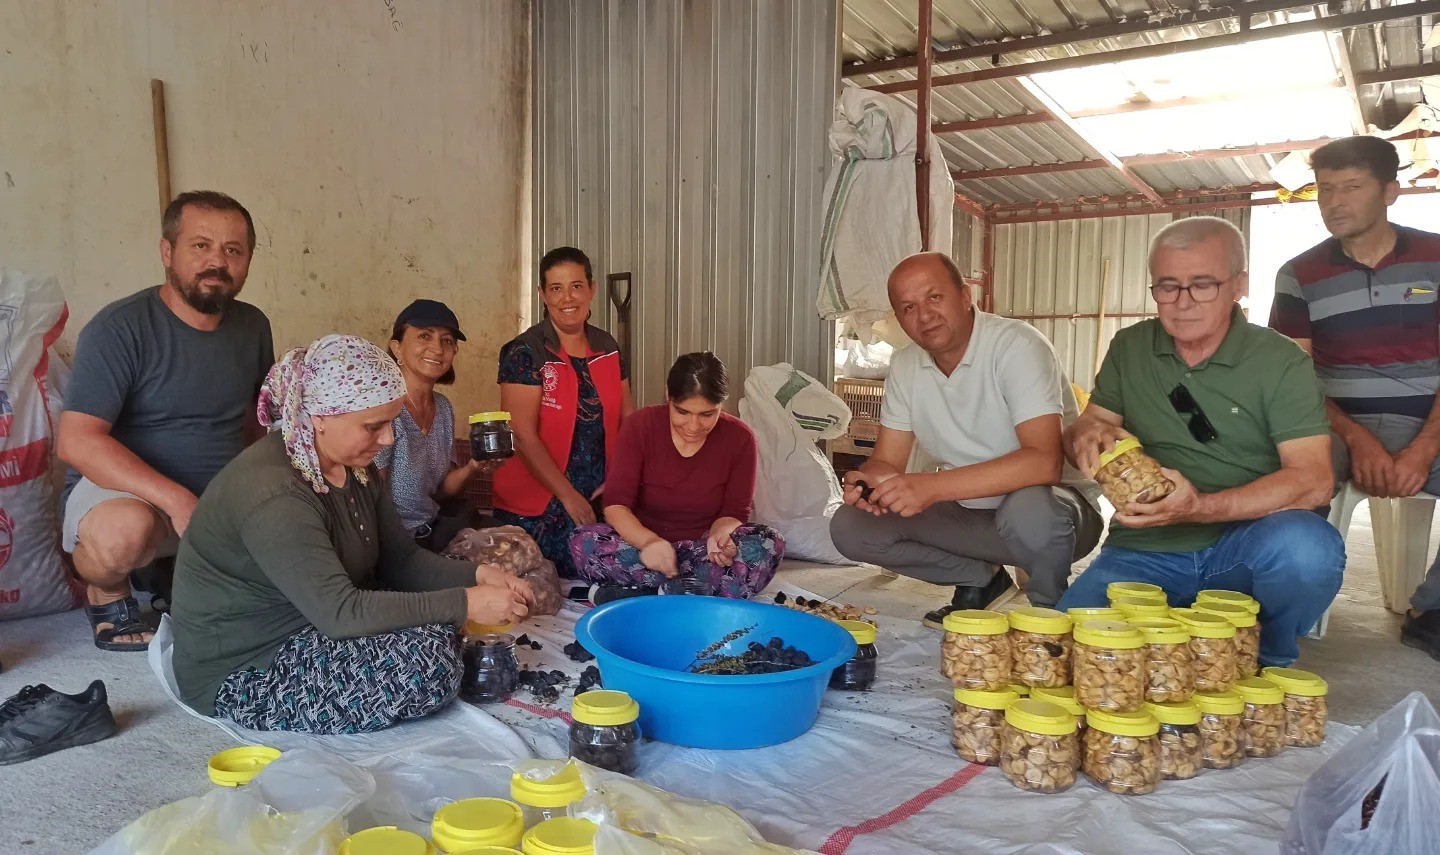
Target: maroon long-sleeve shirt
x=680 y=497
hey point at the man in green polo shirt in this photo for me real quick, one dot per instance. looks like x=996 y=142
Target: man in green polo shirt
x=1234 y=415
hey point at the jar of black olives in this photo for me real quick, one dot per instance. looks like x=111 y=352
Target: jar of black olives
x=491 y=670
x=605 y=731
x=859 y=673
x=491 y=437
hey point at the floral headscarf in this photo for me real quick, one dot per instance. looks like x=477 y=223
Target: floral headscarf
x=336 y=375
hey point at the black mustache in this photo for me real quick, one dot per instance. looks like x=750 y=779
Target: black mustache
x=222 y=275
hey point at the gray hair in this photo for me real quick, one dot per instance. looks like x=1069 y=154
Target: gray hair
x=1183 y=234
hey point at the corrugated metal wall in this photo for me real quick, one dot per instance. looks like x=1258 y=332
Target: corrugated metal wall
x=1054 y=268
x=685 y=143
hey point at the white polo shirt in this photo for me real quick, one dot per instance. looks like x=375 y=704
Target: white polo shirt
x=1009 y=375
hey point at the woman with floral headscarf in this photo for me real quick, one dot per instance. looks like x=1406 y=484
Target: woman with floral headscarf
x=300 y=602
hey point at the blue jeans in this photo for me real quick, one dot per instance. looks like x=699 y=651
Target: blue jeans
x=1291 y=561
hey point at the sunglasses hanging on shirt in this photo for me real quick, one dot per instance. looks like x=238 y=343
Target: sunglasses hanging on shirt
x=1184 y=404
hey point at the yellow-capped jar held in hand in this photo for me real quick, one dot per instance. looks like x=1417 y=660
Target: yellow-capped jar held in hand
x=1263 y=729
x=975 y=652
x=1169 y=662
x=1247 y=634
x=1039 y=747
x=1121 y=751
x=1127 y=474
x=1222 y=728
x=1182 y=749
x=491 y=438
x=1040 y=646
x=1212 y=640
x=976 y=724
x=1109 y=666
x=562 y=836
x=471 y=823
x=1306 y=710
x=385 y=840
x=545 y=797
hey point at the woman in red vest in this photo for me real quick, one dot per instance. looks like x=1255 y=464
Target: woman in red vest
x=567 y=389
x=678 y=499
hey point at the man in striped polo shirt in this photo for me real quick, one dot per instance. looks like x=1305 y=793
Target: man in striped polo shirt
x=1363 y=302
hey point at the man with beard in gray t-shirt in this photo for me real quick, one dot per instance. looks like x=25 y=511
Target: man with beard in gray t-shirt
x=162 y=397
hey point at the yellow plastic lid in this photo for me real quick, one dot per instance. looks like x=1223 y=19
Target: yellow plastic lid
x=1060 y=696
x=1143 y=590
x=1206 y=625
x=471 y=823
x=1135 y=607
x=497 y=416
x=1162 y=630
x=1020 y=689
x=976 y=622
x=1041 y=620
x=1178 y=712
x=238 y=766
x=1296 y=682
x=475 y=630
x=557 y=791
x=1214 y=595
x=386 y=840
x=1095 y=613
x=1114 y=634
x=1040 y=717
x=1122 y=446
x=1227 y=702
x=1233 y=612
x=562 y=836
x=604 y=708
x=1260 y=691
x=987 y=700
x=862 y=631
x=488 y=850
x=1139 y=723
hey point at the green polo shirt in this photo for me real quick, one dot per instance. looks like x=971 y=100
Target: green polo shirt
x=1258 y=390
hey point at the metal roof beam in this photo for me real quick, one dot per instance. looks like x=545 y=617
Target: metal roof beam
x=1391 y=75
x=1079 y=130
x=1140 y=160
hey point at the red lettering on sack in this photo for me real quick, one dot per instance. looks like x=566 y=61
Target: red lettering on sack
x=22 y=464
x=10 y=597
x=7 y=539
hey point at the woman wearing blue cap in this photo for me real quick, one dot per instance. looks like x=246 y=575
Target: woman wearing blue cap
x=423 y=477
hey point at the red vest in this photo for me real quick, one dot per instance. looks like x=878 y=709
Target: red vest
x=515 y=489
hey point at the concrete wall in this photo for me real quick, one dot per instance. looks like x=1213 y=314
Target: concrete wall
x=381 y=146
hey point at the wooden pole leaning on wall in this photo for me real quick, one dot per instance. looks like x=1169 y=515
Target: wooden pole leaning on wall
x=922 y=136
x=1100 y=316
x=162 y=142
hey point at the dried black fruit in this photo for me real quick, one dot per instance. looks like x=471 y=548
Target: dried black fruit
x=1055 y=650
x=780 y=598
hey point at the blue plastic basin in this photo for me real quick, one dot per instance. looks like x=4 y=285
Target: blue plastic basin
x=644 y=645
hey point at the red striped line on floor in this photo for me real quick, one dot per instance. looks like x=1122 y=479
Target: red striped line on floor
x=543 y=712
x=841 y=840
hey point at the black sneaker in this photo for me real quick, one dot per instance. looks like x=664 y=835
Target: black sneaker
x=39 y=720
x=970 y=597
x=1422 y=632
x=602 y=594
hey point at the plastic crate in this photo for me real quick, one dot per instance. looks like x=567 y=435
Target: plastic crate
x=863 y=397
x=479 y=489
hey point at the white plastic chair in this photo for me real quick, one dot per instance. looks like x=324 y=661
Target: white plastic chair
x=1402 y=540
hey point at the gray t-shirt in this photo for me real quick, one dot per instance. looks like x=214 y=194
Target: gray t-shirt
x=175 y=396
x=417 y=463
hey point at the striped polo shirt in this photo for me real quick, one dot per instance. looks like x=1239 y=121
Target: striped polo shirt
x=1374 y=332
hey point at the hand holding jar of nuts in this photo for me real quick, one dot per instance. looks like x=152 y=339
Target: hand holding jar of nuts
x=1040 y=646
x=1212 y=640
x=1263 y=729
x=1182 y=753
x=1221 y=725
x=1121 y=751
x=977 y=722
x=1039 y=748
x=1247 y=634
x=975 y=653
x=1306 y=710
x=1169 y=663
x=1127 y=474
x=1109 y=666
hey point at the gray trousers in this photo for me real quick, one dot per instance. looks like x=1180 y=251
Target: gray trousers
x=1040 y=529
x=1395 y=433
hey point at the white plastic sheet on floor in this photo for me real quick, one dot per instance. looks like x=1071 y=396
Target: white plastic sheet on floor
x=875 y=776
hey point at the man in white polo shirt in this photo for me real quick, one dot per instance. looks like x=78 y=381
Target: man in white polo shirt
x=985 y=396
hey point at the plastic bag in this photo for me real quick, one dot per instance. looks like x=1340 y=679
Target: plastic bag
x=297 y=806
x=512 y=550
x=1379 y=795
x=33 y=580
x=866 y=362
x=796 y=491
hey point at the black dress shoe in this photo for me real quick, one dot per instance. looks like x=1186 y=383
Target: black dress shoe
x=1422 y=632
x=971 y=597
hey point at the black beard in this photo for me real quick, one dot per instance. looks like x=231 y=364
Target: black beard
x=205 y=301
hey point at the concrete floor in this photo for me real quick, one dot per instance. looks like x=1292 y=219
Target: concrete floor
x=68 y=802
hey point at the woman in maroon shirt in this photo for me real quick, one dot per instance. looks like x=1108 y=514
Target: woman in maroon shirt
x=678 y=497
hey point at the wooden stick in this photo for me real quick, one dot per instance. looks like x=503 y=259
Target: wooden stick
x=1100 y=316
x=162 y=142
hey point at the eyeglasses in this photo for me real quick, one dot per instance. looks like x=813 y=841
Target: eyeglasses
x=1184 y=404
x=1201 y=291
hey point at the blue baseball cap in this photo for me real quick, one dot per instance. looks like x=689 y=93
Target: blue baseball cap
x=430 y=313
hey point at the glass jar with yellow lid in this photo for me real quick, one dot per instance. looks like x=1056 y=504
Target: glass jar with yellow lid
x=1306 y=710
x=1038 y=746
x=561 y=836
x=1109 y=666
x=1169 y=662
x=1127 y=474
x=1040 y=646
x=469 y=824
x=1182 y=750
x=1212 y=640
x=386 y=840
x=1263 y=724
x=1121 y=751
x=1221 y=728
x=1247 y=634
x=975 y=652
x=545 y=789
x=976 y=723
